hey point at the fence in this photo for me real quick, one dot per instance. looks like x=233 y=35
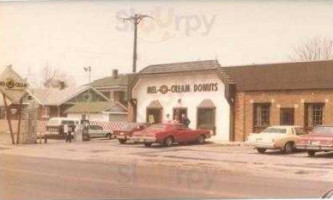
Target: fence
x=41 y=125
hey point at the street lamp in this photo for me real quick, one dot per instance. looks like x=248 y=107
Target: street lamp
x=88 y=69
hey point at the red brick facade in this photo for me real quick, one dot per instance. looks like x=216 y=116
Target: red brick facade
x=245 y=100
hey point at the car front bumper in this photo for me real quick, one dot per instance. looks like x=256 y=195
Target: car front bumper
x=315 y=147
x=145 y=139
x=264 y=145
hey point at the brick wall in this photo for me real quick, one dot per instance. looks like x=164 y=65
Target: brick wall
x=278 y=99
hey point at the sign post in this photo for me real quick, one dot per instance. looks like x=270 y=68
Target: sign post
x=13 y=87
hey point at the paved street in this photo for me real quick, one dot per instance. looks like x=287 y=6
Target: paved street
x=105 y=169
x=37 y=178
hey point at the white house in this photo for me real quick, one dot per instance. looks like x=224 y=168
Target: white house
x=201 y=90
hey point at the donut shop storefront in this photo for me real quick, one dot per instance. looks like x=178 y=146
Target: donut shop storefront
x=201 y=96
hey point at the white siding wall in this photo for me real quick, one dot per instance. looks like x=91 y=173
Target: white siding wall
x=189 y=100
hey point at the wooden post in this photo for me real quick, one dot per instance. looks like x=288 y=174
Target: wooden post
x=19 y=121
x=8 y=119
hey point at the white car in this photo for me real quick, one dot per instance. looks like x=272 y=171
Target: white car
x=276 y=137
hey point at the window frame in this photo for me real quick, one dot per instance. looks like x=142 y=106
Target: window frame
x=255 y=115
x=309 y=124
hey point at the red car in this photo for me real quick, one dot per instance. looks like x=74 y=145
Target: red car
x=320 y=139
x=168 y=134
x=125 y=133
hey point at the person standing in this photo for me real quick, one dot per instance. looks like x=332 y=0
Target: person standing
x=185 y=120
x=66 y=132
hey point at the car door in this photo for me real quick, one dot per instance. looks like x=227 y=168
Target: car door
x=181 y=133
x=100 y=132
x=92 y=131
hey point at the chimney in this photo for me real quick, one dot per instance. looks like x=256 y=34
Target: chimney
x=115 y=73
x=62 y=85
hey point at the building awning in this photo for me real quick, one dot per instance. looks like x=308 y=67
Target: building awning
x=207 y=103
x=155 y=104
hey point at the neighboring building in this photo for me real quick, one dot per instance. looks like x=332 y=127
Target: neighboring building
x=98 y=111
x=282 y=94
x=54 y=102
x=200 y=89
x=113 y=87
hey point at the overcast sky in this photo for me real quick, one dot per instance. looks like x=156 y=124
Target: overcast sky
x=70 y=35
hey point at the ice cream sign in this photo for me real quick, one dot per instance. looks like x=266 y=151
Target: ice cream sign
x=163 y=89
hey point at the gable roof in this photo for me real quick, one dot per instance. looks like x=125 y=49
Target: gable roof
x=56 y=97
x=181 y=67
x=283 y=76
x=85 y=107
x=121 y=80
x=97 y=107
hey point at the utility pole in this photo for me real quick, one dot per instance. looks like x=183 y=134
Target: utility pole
x=136 y=19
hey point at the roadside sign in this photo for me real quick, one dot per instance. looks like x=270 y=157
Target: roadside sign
x=12 y=85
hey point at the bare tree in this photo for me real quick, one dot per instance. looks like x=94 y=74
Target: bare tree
x=55 y=78
x=317 y=48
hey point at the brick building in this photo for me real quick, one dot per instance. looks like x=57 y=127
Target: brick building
x=281 y=94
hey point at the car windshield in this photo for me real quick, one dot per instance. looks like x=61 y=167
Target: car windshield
x=323 y=130
x=53 y=122
x=275 y=130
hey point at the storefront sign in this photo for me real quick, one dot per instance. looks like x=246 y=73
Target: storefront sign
x=12 y=85
x=163 y=89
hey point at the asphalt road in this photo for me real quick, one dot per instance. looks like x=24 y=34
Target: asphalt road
x=42 y=178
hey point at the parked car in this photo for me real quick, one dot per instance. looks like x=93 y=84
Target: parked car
x=168 y=134
x=124 y=133
x=282 y=138
x=95 y=131
x=55 y=127
x=320 y=139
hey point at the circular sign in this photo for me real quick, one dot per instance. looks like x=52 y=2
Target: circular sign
x=10 y=84
x=164 y=89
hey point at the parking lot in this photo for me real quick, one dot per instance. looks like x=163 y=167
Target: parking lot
x=233 y=158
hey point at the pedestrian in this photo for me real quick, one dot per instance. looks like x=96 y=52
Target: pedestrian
x=70 y=130
x=185 y=120
x=176 y=119
x=66 y=132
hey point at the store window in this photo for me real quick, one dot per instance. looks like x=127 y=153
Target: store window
x=261 y=115
x=154 y=115
x=46 y=112
x=206 y=119
x=313 y=114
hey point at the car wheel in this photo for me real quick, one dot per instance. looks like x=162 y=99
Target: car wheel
x=311 y=153
x=122 y=141
x=288 y=148
x=168 y=141
x=201 y=139
x=148 y=144
x=261 y=150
